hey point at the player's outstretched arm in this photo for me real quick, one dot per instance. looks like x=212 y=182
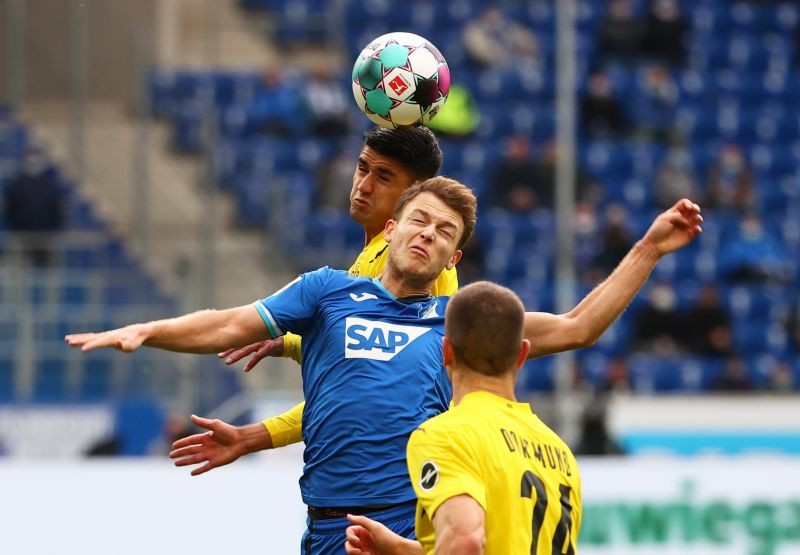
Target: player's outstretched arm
x=220 y=445
x=204 y=332
x=582 y=326
x=369 y=537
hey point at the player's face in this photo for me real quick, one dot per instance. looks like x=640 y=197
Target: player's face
x=377 y=184
x=424 y=240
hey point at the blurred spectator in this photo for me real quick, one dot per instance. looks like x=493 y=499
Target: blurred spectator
x=595 y=438
x=793 y=326
x=587 y=243
x=494 y=41
x=781 y=378
x=615 y=242
x=34 y=207
x=730 y=181
x=658 y=326
x=734 y=377
x=327 y=104
x=334 y=181
x=600 y=112
x=618 y=376
x=621 y=34
x=514 y=182
x=666 y=32
x=675 y=178
x=277 y=107
x=459 y=117
x=655 y=103
x=586 y=189
x=752 y=255
x=707 y=327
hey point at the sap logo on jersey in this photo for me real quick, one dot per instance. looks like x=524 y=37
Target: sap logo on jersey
x=377 y=340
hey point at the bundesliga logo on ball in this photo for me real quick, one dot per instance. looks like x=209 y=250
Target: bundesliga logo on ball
x=400 y=79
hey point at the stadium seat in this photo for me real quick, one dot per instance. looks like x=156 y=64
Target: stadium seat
x=50 y=381
x=7 y=379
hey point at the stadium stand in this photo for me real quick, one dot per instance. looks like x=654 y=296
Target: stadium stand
x=739 y=86
x=90 y=282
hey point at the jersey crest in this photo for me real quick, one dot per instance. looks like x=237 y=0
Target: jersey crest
x=377 y=340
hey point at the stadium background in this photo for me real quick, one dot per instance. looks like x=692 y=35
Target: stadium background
x=181 y=135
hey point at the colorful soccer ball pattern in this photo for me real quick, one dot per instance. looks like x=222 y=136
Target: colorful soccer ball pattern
x=400 y=79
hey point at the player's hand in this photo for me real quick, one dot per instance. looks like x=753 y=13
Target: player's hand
x=217 y=447
x=369 y=537
x=268 y=348
x=675 y=228
x=126 y=339
x=359 y=540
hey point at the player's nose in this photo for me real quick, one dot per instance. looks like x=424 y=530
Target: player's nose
x=365 y=184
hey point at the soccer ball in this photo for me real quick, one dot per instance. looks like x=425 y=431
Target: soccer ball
x=400 y=79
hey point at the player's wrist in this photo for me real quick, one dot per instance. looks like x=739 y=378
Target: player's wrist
x=647 y=248
x=253 y=438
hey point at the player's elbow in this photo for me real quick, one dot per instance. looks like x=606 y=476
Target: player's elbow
x=580 y=335
x=585 y=340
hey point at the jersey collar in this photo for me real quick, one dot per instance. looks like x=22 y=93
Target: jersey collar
x=404 y=300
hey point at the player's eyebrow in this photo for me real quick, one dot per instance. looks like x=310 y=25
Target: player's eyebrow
x=444 y=224
x=385 y=171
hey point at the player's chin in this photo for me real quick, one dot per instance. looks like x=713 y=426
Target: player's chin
x=421 y=272
x=359 y=212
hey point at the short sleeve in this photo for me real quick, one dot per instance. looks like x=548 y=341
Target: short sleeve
x=293 y=307
x=286 y=428
x=446 y=284
x=441 y=466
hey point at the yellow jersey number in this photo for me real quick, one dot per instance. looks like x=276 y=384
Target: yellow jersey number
x=530 y=483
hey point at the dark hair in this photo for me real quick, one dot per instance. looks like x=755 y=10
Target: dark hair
x=416 y=148
x=485 y=324
x=455 y=195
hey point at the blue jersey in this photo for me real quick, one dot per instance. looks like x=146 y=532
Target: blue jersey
x=372 y=372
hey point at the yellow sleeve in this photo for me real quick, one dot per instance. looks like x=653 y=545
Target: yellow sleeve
x=286 y=428
x=292 y=347
x=440 y=467
x=446 y=284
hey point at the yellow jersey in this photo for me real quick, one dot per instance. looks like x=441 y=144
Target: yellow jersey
x=503 y=456
x=287 y=427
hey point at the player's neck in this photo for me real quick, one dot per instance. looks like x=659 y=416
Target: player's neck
x=370 y=234
x=467 y=381
x=402 y=287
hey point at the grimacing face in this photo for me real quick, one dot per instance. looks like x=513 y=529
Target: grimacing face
x=377 y=184
x=424 y=240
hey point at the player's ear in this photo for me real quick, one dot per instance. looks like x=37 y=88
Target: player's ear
x=524 y=350
x=388 y=230
x=454 y=260
x=447 y=352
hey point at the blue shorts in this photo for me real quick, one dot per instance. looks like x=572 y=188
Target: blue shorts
x=327 y=537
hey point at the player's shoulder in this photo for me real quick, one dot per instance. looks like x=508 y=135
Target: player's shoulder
x=444 y=425
x=446 y=283
x=331 y=275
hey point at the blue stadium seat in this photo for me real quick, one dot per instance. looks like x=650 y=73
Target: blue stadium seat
x=96 y=379
x=538 y=375
x=7 y=379
x=50 y=381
